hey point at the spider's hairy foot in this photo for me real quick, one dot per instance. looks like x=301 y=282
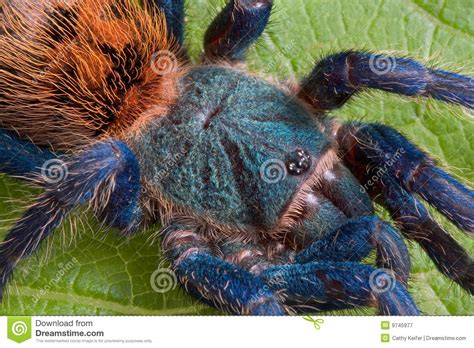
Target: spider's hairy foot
x=226 y=286
x=339 y=285
x=222 y=284
x=338 y=77
x=417 y=224
x=21 y=158
x=236 y=28
x=106 y=176
x=354 y=240
x=413 y=172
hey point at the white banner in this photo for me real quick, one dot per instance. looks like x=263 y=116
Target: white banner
x=227 y=331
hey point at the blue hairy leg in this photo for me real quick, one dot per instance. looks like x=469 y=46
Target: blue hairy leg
x=336 y=78
x=335 y=198
x=249 y=256
x=219 y=283
x=402 y=169
x=375 y=144
x=354 y=240
x=106 y=175
x=174 y=13
x=122 y=209
x=328 y=285
x=341 y=187
x=236 y=28
x=21 y=158
x=416 y=222
x=315 y=216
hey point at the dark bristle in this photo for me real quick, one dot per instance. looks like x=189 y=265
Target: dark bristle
x=63 y=89
x=127 y=65
x=113 y=12
x=126 y=72
x=61 y=25
x=111 y=52
x=2 y=20
x=126 y=68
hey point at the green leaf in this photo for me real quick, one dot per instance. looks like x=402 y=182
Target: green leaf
x=96 y=272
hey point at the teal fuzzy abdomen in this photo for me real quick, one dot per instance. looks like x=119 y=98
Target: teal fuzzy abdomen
x=207 y=154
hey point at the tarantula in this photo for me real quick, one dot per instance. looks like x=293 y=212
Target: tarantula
x=266 y=208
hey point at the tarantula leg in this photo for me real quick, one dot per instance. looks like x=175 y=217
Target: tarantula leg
x=413 y=217
x=249 y=256
x=174 y=13
x=102 y=175
x=355 y=239
x=236 y=28
x=341 y=187
x=330 y=285
x=336 y=78
x=380 y=146
x=400 y=169
x=219 y=283
x=21 y=158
